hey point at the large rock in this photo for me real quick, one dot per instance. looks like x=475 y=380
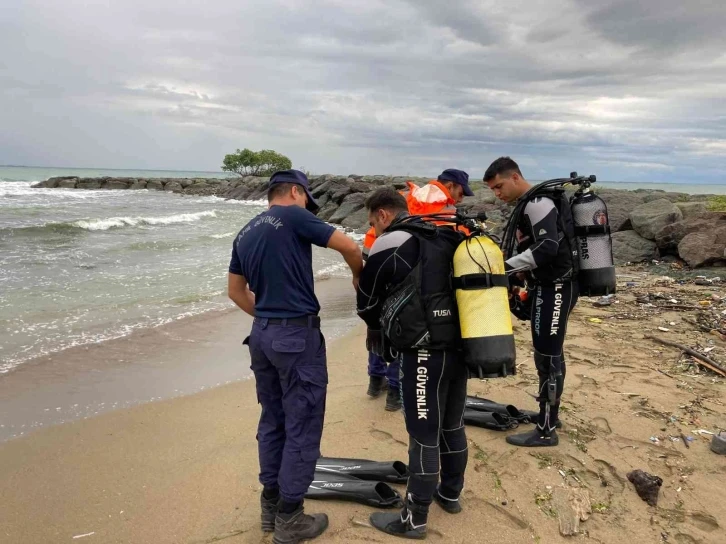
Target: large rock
x=630 y=247
x=690 y=209
x=68 y=183
x=138 y=184
x=704 y=248
x=668 y=238
x=115 y=184
x=350 y=205
x=340 y=193
x=620 y=204
x=356 y=219
x=327 y=211
x=174 y=187
x=649 y=218
x=155 y=184
x=88 y=183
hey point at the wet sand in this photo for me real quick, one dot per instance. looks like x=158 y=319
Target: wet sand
x=184 y=470
x=180 y=358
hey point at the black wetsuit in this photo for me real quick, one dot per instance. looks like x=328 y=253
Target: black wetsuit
x=546 y=256
x=433 y=381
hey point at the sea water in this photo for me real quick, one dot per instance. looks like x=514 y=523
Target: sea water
x=83 y=266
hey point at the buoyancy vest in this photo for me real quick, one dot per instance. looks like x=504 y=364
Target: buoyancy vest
x=421 y=311
x=565 y=266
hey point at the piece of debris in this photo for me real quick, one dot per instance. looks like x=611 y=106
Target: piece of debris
x=704 y=361
x=572 y=506
x=82 y=536
x=594 y=320
x=604 y=301
x=663 y=329
x=718 y=443
x=646 y=485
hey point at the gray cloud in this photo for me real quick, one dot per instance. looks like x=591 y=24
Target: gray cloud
x=628 y=91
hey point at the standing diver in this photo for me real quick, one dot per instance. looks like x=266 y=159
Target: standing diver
x=406 y=298
x=547 y=256
x=437 y=196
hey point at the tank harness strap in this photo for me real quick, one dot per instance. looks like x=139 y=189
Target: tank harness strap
x=477 y=281
x=592 y=229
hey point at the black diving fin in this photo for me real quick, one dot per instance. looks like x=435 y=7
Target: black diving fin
x=486 y=405
x=489 y=420
x=392 y=471
x=337 y=486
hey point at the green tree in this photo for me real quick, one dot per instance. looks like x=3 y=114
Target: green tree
x=255 y=163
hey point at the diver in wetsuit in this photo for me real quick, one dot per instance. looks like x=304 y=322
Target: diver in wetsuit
x=433 y=379
x=547 y=258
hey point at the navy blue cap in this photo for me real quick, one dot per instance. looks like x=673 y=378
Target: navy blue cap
x=298 y=178
x=459 y=177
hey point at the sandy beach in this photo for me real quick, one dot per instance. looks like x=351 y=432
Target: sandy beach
x=184 y=470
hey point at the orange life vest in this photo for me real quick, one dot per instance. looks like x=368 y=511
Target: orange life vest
x=430 y=199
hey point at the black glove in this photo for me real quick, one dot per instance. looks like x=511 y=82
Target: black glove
x=374 y=341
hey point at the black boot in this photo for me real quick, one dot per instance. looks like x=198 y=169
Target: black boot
x=292 y=528
x=393 y=400
x=536 y=438
x=376 y=385
x=452 y=506
x=409 y=523
x=269 y=511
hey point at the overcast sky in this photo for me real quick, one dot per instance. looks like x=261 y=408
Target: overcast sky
x=630 y=90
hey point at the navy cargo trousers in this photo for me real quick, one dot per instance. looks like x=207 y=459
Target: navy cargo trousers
x=378 y=367
x=291 y=375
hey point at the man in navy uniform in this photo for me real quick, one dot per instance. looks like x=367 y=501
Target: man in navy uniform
x=271 y=278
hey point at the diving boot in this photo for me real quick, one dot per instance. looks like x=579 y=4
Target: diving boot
x=408 y=523
x=269 y=511
x=298 y=526
x=536 y=438
x=393 y=400
x=376 y=385
x=451 y=506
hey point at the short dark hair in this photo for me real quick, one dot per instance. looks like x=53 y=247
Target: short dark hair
x=501 y=166
x=278 y=189
x=386 y=198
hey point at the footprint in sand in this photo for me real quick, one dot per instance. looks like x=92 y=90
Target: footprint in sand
x=501 y=514
x=685 y=538
x=587 y=381
x=610 y=476
x=383 y=436
x=602 y=424
x=703 y=521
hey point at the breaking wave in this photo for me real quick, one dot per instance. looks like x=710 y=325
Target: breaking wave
x=114 y=223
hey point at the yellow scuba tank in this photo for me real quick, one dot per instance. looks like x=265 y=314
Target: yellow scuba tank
x=481 y=285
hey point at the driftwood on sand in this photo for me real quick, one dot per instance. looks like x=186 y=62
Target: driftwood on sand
x=703 y=360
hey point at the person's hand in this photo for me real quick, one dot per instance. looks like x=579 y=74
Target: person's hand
x=374 y=341
x=356 y=281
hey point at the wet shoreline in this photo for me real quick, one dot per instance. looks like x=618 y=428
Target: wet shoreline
x=180 y=358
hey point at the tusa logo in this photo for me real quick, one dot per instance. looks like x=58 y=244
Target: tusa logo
x=332 y=485
x=442 y=313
